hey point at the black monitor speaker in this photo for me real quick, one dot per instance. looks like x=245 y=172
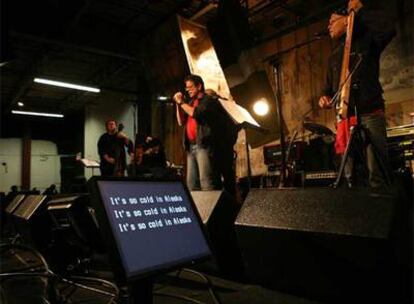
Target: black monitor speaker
x=148 y=227
x=75 y=231
x=320 y=242
x=218 y=211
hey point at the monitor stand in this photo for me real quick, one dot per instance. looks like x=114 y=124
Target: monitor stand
x=140 y=292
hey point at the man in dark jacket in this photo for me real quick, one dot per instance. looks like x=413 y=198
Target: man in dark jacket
x=372 y=32
x=111 y=149
x=209 y=154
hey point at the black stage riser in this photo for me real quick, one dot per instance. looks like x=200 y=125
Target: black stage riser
x=218 y=211
x=329 y=244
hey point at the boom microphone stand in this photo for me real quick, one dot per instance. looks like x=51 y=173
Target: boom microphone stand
x=276 y=75
x=277 y=78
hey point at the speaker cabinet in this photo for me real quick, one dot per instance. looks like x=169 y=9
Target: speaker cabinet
x=75 y=221
x=320 y=242
x=218 y=211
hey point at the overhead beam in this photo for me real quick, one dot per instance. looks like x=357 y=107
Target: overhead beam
x=318 y=15
x=209 y=7
x=68 y=45
x=26 y=79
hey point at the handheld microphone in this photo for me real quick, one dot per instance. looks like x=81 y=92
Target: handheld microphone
x=214 y=94
x=186 y=97
x=219 y=97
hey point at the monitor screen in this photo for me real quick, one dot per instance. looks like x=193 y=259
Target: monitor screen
x=154 y=224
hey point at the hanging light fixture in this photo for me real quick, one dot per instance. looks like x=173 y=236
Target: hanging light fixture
x=66 y=85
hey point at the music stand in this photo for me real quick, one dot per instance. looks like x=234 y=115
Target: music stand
x=89 y=163
x=244 y=120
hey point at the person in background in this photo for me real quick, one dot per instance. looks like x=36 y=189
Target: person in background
x=225 y=136
x=51 y=190
x=111 y=150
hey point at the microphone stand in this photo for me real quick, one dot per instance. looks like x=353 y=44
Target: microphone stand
x=335 y=102
x=277 y=78
x=274 y=60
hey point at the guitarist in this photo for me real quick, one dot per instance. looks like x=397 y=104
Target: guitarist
x=372 y=31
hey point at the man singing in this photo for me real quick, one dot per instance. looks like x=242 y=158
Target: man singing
x=372 y=32
x=209 y=138
x=196 y=115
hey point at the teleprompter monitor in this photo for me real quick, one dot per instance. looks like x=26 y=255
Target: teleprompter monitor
x=148 y=226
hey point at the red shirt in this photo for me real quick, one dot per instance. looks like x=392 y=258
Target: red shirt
x=191 y=125
x=343 y=131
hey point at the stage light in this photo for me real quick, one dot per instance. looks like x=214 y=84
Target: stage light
x=37 y=114
x=261 y=107
x=67 y=85
x=162 y=98
x=20 y=104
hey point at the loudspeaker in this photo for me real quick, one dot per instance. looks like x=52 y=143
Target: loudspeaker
x=75 y=220
x=324 y=243
x=75 y=230
x=218 y=211
x=230 y=32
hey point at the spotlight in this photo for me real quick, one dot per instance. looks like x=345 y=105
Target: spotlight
x=261 y=107
x=20 y=104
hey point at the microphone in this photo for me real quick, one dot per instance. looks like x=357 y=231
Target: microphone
x=214 y=94
x=221 y=97
x=320 y=34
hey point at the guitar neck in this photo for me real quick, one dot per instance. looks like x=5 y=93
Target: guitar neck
x=345 y=82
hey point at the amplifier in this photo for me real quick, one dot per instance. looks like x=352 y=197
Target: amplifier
x=400 y=142
x=273 y=153
x=319 y=178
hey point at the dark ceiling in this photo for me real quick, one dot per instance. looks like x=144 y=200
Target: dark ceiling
x=96 y=42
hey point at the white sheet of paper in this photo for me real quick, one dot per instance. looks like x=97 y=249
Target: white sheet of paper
x=89 y=163
x=238 y=113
